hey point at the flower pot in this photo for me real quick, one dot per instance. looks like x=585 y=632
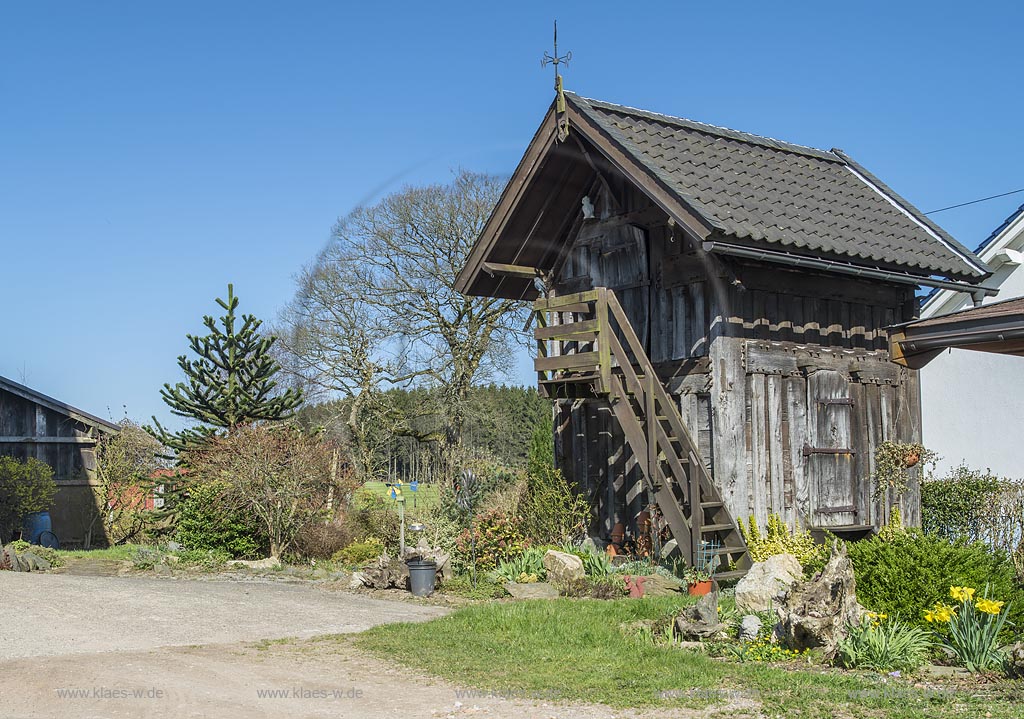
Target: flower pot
x=910 y=459
x=699 y=589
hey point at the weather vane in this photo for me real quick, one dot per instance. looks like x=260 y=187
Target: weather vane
x=561 y=119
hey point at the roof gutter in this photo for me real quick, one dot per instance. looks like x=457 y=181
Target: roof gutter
x=977 y=292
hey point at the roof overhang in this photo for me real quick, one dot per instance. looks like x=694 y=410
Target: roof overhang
x=50 y=403
x=524 y=236
x=997 y=327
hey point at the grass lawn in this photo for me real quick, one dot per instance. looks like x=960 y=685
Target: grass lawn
x=120 y=552
x=574 y=650
x=424 y=498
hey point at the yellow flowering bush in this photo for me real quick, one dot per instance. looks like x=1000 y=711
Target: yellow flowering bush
x=778 y=539
x=971 y=630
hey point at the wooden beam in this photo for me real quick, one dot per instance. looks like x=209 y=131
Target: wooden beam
x=497 y=268
x=48 y=440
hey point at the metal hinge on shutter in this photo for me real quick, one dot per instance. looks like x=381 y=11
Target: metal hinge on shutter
x=809 y=450
x=837 y=400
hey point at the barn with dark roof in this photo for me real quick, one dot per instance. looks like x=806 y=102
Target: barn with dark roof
x=711 y=319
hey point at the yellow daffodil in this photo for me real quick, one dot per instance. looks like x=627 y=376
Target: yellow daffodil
x=962 y=594
x=990 y=606
x=929 y=617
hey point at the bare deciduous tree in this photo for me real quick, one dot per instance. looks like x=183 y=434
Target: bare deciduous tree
x=280 y=475
x=378 y=307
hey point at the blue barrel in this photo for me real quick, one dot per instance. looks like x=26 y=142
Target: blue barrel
x=34 y=525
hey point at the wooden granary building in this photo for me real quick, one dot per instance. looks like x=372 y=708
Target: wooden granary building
x=711 y=319
x=64 y=437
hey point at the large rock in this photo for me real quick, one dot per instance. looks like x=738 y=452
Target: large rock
x=659 y=586
x=816 y=613
x=701 y=621
x=767 y=583
x=750 y=625
x=531 y=590
x=563 y=568
x=1015 y=661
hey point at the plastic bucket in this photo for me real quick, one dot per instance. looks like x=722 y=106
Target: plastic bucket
x=33 y=525
x=422 y=576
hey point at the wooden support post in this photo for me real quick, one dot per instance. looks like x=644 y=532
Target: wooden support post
x=604 y=347
x=696 y=518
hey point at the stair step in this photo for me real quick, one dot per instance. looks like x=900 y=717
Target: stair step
x=709 y=528
x=723 y=550
x=711 y=505
x=732 y=574
x=589 y=377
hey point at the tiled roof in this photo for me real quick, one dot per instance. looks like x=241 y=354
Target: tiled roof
x=782 y=196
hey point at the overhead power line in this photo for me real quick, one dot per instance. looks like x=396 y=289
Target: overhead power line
x=974 y=202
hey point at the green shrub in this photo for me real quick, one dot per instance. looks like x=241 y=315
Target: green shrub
x=552 y=511
x=359 y=553
x=462 y=586
x=206 y=524
x=910 y=572
x=146 y=558
x=374 y=516
x=492 y=539
x=779 y=539
x=884 y=644
x=25 y=487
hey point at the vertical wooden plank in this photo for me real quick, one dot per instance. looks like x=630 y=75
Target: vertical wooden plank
x=729 y=423
x=862 y=450
x=775 y=451
x=697 y=333
x=812 y=321
x=759 y=488
x=796 y=311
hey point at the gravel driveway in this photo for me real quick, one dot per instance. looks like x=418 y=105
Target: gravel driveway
x=62 y=614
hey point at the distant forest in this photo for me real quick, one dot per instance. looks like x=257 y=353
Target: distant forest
x=499 y=422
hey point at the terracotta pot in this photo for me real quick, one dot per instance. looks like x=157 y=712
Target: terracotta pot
x=910 y=459
x=699 y=589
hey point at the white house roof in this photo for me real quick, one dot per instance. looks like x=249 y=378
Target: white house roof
x=1002 y=251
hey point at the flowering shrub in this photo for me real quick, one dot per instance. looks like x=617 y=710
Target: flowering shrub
x=528 y=564
x=778 y=539
x=971 y=628
x=763 y=649
x=497 y=538
x=883 y=644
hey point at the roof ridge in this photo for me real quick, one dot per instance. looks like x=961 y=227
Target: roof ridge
x=716 y=130
x=998 y=231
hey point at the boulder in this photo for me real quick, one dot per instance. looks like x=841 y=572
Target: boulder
x=660 y=586
x=9 y=560
x=816 y=613
x=767 y=583
x=161 y=569
x=563 y=568
x=531 y=590
x=268 y=563
x=356 y=582
x=1015 y=660
x=750 y=625
x=701 y=621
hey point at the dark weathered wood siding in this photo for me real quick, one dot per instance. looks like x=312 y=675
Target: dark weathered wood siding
x=28 y=429
x=769 y=365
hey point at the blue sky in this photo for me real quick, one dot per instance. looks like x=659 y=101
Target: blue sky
x=151 y=153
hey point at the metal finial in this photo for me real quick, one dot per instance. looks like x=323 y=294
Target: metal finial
x=555 y=59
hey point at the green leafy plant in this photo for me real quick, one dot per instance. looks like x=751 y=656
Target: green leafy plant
x=359 y=553
x=206 y=559
x=52 y=556
x=25 y=487
x=374 y=516
x=595 y=564
x=462 y=585
x=696 y=575
x=894 y=464
x=909 y=573
x=779 y=539
x=971 y=629
x=529 y=564
x=492 y=539
x=763 y=650
x=609 y=587
x=883 y=644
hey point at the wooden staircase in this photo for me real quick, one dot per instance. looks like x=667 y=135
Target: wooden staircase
x=582 y=342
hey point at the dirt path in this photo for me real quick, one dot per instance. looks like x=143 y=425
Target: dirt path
x=118 y=647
